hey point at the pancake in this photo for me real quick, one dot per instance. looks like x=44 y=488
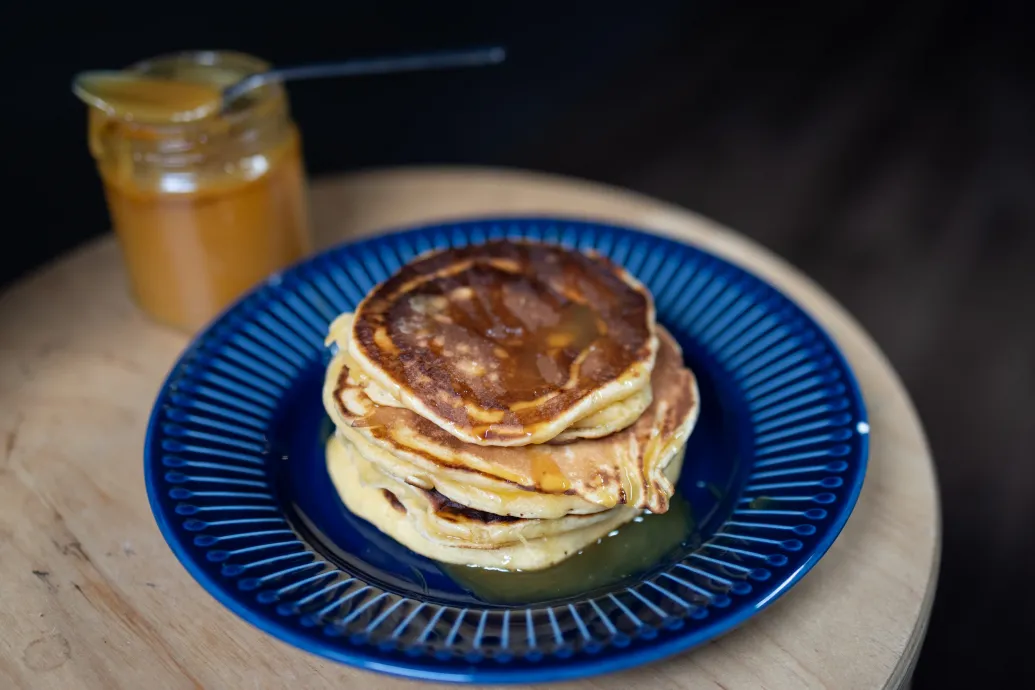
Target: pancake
x=507 y=343
x=444 y=521
x=608 y=420
x=612 y=418
x=412 y=519
x=543 y=481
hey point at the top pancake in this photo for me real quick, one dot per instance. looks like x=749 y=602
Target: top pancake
x=615 y=417
x=507 y=343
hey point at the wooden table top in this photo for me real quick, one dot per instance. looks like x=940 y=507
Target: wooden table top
x=91 y=596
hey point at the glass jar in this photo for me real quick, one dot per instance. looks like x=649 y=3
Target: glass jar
x=203 y=210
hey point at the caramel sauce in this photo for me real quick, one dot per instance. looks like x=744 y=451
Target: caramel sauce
x=380 y=420
x=139 y=98
x=628 y=551
x=546 y=473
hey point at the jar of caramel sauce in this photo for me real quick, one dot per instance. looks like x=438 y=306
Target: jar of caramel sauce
x=204 y=208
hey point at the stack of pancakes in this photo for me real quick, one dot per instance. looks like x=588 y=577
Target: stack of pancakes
x=505 y=405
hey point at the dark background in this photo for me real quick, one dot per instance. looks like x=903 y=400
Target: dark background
x=889 y=152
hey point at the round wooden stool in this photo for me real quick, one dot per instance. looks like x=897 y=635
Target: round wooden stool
x=91 y=597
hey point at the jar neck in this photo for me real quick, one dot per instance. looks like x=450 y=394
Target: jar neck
x=179 y=157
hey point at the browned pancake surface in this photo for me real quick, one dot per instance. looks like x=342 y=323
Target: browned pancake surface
x=497 y=338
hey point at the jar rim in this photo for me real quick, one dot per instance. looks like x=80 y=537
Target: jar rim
x=239 y=64
x=220 y=68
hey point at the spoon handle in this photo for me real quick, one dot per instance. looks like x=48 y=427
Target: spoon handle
x=365 y=66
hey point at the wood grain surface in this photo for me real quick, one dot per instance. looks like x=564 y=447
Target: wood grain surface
x=91 y=597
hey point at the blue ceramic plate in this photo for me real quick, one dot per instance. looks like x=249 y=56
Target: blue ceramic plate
x=235 y=471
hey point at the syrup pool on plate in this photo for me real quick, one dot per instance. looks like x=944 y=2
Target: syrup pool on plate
x=627 y=551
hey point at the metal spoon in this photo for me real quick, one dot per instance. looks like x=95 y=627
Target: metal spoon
x=201 y=100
